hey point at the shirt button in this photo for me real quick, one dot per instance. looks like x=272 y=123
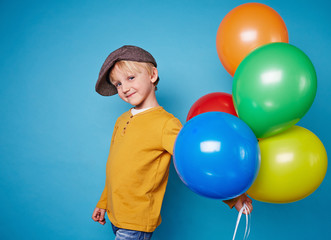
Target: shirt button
x=127 y=122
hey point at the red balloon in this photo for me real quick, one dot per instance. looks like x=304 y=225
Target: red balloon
x=212 y=102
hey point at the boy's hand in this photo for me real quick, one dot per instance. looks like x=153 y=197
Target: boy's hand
x=99 y=215
x=241 y=201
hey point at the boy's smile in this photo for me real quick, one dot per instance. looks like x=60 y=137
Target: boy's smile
x=135 y=88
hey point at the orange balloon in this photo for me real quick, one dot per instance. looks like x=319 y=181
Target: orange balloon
x=245 y=28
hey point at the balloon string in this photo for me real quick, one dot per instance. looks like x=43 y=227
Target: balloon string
x=248 y=222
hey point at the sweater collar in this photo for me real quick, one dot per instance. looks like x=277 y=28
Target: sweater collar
x=145 y=112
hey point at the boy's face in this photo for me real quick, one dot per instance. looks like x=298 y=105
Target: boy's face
x=135 y=88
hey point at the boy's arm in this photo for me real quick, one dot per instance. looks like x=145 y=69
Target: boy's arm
x=103 y=199
x=100 y=210
x=170 y=132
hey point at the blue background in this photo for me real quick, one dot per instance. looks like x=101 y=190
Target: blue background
x=56 y=130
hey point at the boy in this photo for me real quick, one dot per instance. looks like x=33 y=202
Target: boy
x=141 y=147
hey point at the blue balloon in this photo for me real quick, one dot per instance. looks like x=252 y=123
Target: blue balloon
x=217 y=155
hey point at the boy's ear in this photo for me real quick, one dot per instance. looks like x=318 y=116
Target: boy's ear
x=155 y=75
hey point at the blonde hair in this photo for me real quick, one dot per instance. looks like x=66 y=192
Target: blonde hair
x=132 y=67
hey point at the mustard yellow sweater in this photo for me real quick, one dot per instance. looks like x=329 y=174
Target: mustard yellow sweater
x=137 y=168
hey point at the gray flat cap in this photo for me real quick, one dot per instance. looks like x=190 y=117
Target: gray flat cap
x=127 y=52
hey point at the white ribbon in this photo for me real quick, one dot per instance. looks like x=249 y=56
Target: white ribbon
x=248 y=222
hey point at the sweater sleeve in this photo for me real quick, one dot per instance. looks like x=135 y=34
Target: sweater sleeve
x=103 y=199
x=170 y=132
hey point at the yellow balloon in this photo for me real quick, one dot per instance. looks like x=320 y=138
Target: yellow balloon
x=293 y=165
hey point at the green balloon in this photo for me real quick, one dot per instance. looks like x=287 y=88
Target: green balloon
x=273 y=88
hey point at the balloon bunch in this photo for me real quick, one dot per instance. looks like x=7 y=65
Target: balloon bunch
x=217 y=153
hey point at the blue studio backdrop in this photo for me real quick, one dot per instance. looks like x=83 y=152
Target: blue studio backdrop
x=56 y=130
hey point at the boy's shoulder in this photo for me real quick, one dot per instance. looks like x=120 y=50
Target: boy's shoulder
x=164 y=114
x=171 y=119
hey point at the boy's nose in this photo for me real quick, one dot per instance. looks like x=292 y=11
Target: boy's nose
x=125 y=87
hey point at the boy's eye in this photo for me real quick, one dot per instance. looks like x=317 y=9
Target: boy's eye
x=131 y=77
x=117 y=84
